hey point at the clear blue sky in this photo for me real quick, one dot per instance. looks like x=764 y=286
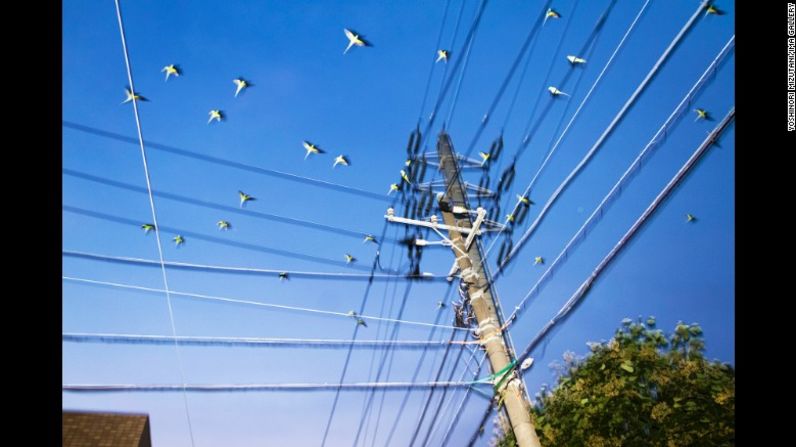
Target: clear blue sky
x=363 y=105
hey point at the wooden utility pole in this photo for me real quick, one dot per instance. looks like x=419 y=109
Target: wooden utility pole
x=509 y=388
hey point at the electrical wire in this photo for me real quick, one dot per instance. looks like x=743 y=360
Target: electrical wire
x=230 y=163
x=606 y=133
x=634 y=167
x=152 y=209
x=226 y=208
x=223 y=299
x=290 y=274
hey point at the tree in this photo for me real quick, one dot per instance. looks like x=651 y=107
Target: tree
x=638 y=389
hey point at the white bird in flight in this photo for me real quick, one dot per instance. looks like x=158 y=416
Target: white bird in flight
x=575 y=60
x=555 y=92
x=354 y=39
x=340 y=160
x=311 y=149
x=171 y=69
x=215 y=114
x=241 y=83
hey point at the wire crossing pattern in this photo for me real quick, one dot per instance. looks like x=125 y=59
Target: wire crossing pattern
x=653 y=144
x=620 y=245
x=606 y=133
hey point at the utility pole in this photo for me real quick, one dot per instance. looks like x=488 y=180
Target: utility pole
x=468 y=260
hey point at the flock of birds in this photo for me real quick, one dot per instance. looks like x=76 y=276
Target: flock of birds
x=356 y=39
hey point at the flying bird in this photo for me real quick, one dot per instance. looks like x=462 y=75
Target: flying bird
x=349 y=259
x=171 y=69
x=215 y=114
x=575 y=60
x=312 y=149
x=442 y=55
x=340 y=160
x=354 y=39
x=702 y=114
x=538 y=260
x=484 y=157
x=147 y=228
x=405 y=177
x=393 y=187
x=244 y=198
x=551 y=14
x=241 y=84
x=178 y=240
x=223 y=225
x=510 y=217
x=555 y=92
x=132 y=96
x=361 y=322
x=690 y=218
x=370 y=238
x=714 y=10
x=525 y=200
x=441 y=304
x=283 y=276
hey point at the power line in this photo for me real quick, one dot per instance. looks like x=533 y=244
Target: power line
x=216 y=298
x=450 y=412
x=254 y=342
x=633 y=230
x=291 y=274
x=402 y=406
x=230 y=163
x=458 y=412
x=621 y=244
x=433 y=61
x=634 y=167
x=607 y=132
x=217 y=240
x=152 y=208
x=583 y=102
x=227 y=388
x=419 y=424
x=353 y=337
x=531 y=34
x=228 y=209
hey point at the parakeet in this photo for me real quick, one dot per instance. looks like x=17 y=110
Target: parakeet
x=354 y=39
x=340 y=160
x=178 y=240
x=442 y=55
x=215 y=114
x=223 y=225
x=311 y=149
x=244 y=198
x=171 y=69
x=538 y=260
x=551 y=14
x=575 y=60
x=147 y=228
x=131 y=96
x=240 y=85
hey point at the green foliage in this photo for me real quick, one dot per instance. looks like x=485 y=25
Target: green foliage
x=639 y=389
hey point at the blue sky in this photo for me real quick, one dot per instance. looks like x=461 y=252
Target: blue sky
x=364 y=105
